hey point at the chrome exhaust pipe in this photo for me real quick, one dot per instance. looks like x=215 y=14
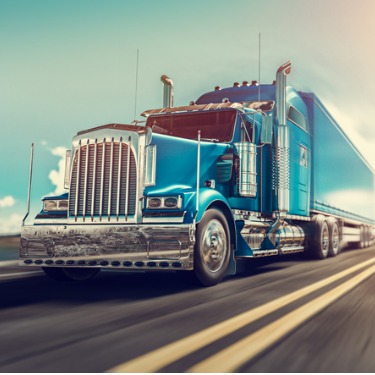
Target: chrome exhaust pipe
x=282 y=142
x=168 y=91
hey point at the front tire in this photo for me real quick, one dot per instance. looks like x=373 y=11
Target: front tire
x=212 y=248
x=70 y=274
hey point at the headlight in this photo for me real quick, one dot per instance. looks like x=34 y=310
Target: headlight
x=55 y=205
x=154 y=202
x=171 y=202
x=164 y=202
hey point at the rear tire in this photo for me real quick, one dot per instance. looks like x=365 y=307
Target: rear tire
x=70 y=274
x=319 y=237
x=212 y=248
x=362 y=237
x=334 y=245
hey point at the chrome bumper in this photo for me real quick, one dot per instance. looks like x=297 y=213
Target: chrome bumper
x=108 y=246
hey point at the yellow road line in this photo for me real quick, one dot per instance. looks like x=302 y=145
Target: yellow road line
x=232 y=357
x=161 y=357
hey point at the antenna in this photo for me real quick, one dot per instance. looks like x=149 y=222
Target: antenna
x=136 y=86
x=259 y=67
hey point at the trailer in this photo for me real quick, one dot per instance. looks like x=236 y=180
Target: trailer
x=243 y=172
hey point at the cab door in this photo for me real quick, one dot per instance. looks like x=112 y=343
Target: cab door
x=300 y=162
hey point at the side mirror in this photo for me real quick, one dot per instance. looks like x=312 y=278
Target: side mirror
x=266 y=134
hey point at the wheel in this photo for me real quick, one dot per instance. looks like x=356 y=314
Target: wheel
x=367 y=236
x=319 y=237
x=212 y=248
x=362 y=237
x=334 y=238
x=70 y=274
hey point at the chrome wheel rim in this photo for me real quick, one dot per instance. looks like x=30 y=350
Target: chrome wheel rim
x=214 y=246
x=325 y=239
x=335 y=239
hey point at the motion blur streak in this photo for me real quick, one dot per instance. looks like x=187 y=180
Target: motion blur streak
x=159 y=358
x=231 y=358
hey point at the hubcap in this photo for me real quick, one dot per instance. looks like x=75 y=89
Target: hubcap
x=335 y=239
x=214 y=246
x=325 y=239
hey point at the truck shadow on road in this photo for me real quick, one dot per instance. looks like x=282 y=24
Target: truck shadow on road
x=115 y=285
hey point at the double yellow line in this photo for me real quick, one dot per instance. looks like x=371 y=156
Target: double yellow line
x=233 y=356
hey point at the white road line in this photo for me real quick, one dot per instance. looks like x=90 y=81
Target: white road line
x=232 y=357
x=161 y=357
x=29 y=273
x=7 y=263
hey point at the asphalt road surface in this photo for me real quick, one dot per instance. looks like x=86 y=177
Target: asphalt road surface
x=285 y=314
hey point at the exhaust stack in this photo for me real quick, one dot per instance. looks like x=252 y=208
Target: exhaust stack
x=282 y=142
x=168 y=91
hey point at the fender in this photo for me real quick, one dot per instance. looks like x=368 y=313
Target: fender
x=212 y=198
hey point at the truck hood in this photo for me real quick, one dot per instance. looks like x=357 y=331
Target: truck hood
x=176 y=164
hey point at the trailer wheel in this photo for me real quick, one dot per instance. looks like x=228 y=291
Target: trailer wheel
x=212 y=248
x=367 y=236
x=362 y=237
x=334 y=238
x=70 y=274
x=320 y=237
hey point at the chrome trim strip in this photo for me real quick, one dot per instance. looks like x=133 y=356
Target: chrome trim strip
x=102 y=182
x=85 y=181
x=291 y=249
x=150 y=220
x=94 y=179
x=110 y=182
x=260 y=253
x=198 y=173
x=127 y=181
x=298 y=217
x=77 y=181
x=119 y=180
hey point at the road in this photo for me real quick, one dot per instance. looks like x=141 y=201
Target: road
x=283 y=315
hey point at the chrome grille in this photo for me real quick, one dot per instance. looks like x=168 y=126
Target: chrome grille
x=103 y=181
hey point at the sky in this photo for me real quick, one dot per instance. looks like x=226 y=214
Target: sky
x=70 y=65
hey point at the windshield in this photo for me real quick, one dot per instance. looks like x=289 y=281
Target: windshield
x=216 y=126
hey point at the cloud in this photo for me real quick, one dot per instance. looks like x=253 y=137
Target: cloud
x=353 y=123
x=7 y=201
x=11 y=224
x=353 y=200
x=56 y=176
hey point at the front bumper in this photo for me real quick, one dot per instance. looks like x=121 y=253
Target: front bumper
x=108 y=246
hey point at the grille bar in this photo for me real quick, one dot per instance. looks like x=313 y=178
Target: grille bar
x=119 y=180
x=77 y=182
x=94 y=179
x=110 y=182
x=104 y=181
x=85 y=180
x=127 y=184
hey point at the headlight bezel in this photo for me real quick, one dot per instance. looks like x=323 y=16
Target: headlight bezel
x=163 y=205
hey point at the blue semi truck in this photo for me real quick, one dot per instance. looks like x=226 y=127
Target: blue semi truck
x=243 y=172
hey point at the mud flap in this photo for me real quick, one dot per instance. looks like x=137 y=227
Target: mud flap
x=232 y=266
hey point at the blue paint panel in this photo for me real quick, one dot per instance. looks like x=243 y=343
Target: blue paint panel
x=176 y=169
x=342 y=181
x=300 y=160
